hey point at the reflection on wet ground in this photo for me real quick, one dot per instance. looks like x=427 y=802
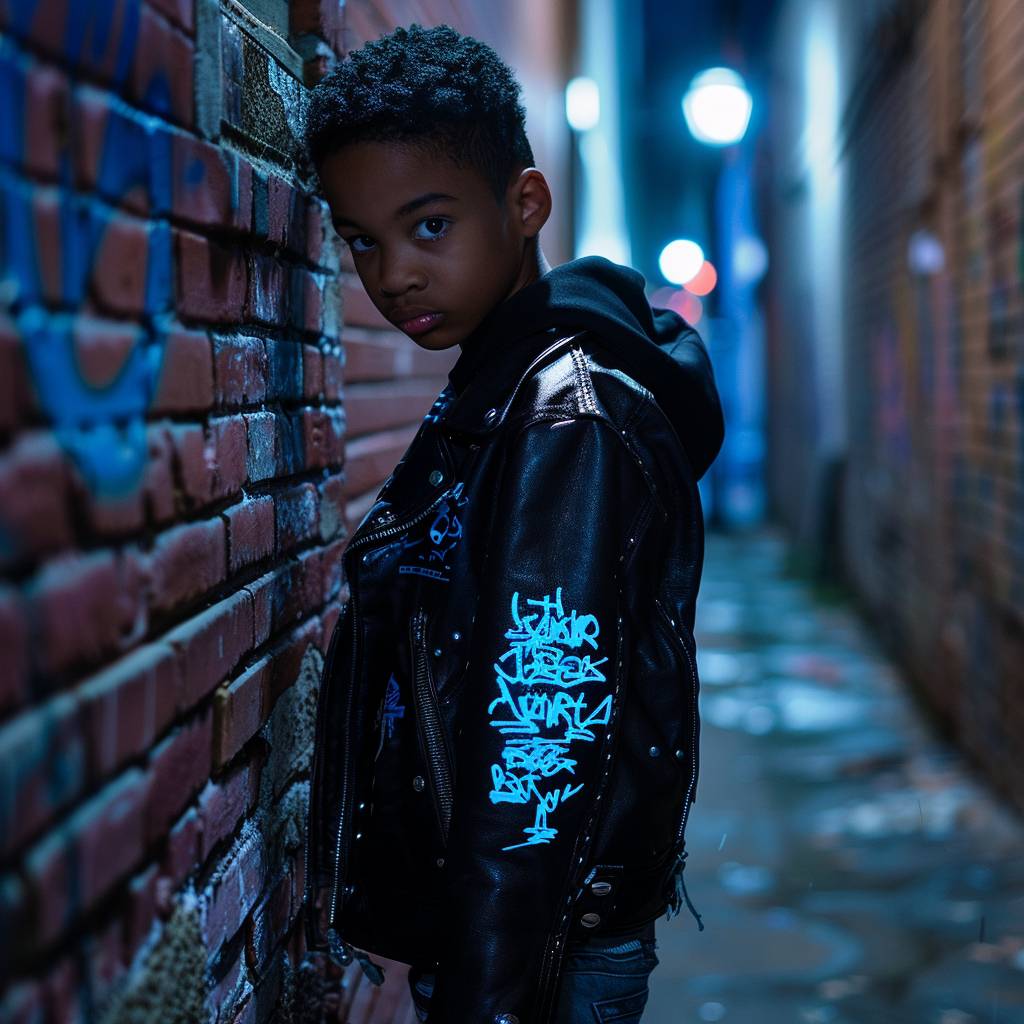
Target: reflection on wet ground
x=848 y=867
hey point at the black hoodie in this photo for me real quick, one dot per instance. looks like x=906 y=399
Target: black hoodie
x=657 y=347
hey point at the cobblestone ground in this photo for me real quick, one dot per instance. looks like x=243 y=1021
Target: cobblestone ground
x=848 y=867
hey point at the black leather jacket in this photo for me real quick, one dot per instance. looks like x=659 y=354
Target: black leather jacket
x=507 y=732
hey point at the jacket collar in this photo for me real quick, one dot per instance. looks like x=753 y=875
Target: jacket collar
x=500 y=369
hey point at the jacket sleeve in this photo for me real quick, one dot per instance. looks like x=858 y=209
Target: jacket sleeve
x=536 y=706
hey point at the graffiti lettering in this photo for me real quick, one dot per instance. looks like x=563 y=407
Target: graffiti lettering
x=542 y=689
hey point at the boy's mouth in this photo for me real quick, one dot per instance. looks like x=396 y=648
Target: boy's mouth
x=420 y=324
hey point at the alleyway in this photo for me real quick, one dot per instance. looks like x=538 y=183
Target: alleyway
x=848 y=868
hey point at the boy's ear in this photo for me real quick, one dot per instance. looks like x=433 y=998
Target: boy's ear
x=531 y=201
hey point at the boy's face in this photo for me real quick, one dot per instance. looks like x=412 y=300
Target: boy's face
x=429 y=237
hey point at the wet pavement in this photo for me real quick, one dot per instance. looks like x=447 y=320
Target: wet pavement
x=848 y=867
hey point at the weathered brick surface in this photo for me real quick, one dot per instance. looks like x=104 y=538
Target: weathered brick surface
x=174 y=492
x=919 y=403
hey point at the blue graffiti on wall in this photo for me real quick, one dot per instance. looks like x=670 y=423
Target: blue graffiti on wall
x=544 y=705
x=101 y=426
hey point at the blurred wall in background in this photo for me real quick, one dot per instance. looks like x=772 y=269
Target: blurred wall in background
x=197 y=402
x=895 y=323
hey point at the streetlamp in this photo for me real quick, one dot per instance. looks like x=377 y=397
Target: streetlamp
x=717 y=107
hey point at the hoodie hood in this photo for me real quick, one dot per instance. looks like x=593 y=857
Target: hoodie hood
x=656 y=347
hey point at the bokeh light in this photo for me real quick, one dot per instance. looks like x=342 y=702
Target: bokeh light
x=680 y=260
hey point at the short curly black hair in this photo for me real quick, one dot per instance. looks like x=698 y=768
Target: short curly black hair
x=432 y=87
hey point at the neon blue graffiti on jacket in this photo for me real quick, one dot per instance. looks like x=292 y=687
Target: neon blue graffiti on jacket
x=431 y=550
x=392 y=709
x=543 y=701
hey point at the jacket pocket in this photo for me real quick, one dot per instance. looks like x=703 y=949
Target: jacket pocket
x=430 y=727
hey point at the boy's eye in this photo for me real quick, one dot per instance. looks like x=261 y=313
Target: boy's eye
x=435 y=228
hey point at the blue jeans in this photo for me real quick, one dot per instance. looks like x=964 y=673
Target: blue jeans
x=604 y=978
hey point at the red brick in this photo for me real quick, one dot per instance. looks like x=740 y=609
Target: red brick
x=93 y=119
x=109 y=515
x=298 y=513
x=332 y=506
x=162 y=71
x=212 y=644
x=223 y=804
x=179 y=11
x=186 y=374
x=179 y=765
x=104 y=956
x=307 y=302
x=240 y=368
x=102 y=348
x=250 y=532
x=181 y=857
x=75 y=866
x=119 y=268
x=359 y=310
x=230 y=445
x=129 y=704
x=17 y=392
x=14 y=642
x=42 y=768
x=186 y=562
x=212 y=464
x=236 y=886
x=266 y=593
x=34 y=515
x=65 y=988
x=51 y=251
x=289 y=593
x=211 y=280
x=143 y=904
x=280 y=198
x=312 y=372
x=158 y=486
x=370 y=459
x=315 y=220
x=86 y=607
x=212 y=185
x=238 y=711
x=284 y=358
x=48 y=98
x=261 y=437
x=267 y=299
x=323 y=432
x=374 y=407
x=367 y=356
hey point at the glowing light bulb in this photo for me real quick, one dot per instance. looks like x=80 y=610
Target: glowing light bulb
x=582 y=104
x=680 y=261
x=717 y=107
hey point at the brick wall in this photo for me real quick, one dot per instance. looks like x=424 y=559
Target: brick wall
x=187 y=436
x=931 y=176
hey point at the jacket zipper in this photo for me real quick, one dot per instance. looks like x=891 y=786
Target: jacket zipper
x=430 y=725
x=693 y=737
x=395 y=527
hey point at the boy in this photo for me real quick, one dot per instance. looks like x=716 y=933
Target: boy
x=506 y=744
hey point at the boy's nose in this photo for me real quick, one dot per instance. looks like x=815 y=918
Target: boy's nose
x=399 y=275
